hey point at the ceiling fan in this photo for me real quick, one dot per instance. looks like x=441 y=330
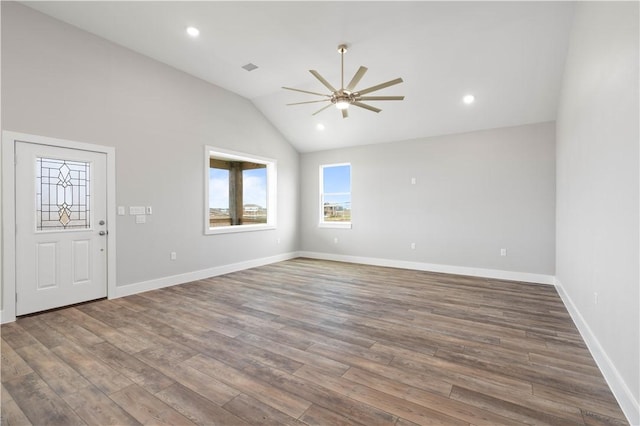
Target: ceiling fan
x=346 y=96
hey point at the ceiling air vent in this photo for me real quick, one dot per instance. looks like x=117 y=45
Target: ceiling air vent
x=250 y=66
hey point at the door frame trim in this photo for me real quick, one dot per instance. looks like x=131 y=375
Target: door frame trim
x=9 y=140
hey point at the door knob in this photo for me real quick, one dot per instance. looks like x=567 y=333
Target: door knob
x=101 y=222
x=102 y=233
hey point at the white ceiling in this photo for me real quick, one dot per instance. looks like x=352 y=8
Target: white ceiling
x=510 y=55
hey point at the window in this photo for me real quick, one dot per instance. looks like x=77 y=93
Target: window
x=335 y=195
x=63 y=191
x=240 y=192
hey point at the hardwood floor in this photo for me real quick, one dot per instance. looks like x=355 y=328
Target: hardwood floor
x=308 y=342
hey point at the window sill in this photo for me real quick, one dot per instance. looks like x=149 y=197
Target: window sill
x=339 y=225
x=237 y=228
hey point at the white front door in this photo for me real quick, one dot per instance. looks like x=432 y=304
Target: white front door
x=61 y=244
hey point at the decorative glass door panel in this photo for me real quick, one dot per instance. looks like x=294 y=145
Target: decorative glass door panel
x=63 y=194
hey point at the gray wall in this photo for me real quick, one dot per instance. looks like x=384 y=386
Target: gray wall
x=61 y=82
x=597 y=181
x=475 y=193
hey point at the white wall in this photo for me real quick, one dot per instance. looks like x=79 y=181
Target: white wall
x=62 y=82
x=597 y=191
x=475 y=194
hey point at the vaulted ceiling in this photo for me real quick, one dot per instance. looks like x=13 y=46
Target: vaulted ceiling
x=509 y=55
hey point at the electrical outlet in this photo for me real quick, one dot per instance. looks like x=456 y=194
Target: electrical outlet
x=413 y=246
x=335 y=240
x=503 y=252
x=173 y=255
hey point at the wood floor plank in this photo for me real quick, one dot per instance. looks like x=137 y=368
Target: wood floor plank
x=40 y=403
x=313 y=391
x=10 y=413
x=109 y=334
x=521 y=411
x=132 y=368
x=570 y=381
x=98 y=373
x=16 y=336
x=56 y=373
x=399 y=407
x=96 y=408
x=197 y=408
x=39 y=328
x=204 y=385
x=147 y=409
x=295 y=354
x=319 y=416
x=69 y=329
x=257 y=413
x=287 y=403
x=430 y=400
x=308 y=342
x=12 y=364
x=414 y=378
x=579 y=401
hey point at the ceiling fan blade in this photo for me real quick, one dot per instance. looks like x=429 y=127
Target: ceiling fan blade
x=365 y=106
x=379 y=86
x=309 y=102
x=306 y=91
x=322 y=80
x=345 y=113
x=356 y=78
x=380 y=98
x=321 y=109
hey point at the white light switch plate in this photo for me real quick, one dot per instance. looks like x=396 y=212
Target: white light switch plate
x=140 y=218
x=134 y=210
x=121 y=211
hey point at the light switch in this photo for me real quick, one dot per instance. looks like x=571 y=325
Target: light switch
x=140 y=218
x=136 y=210
x=121 y=211
x=149 y=210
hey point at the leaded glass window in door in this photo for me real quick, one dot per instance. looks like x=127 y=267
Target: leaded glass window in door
x=63 y=192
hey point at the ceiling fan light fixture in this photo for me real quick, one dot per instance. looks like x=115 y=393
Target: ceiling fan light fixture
x=342 y=104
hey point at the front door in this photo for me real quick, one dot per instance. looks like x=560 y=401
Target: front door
x=61 y=244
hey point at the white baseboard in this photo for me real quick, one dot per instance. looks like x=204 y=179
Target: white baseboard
x=127 y=290
x=630 y=407
x=432 y=267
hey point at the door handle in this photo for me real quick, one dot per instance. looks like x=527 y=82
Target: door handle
x=102 y=233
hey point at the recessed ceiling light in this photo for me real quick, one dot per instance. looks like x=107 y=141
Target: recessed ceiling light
x=193 y=31
x=468 y=99
x=320 y=126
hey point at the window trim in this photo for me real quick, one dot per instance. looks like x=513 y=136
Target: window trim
x=321 y=221
x=211 y=151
